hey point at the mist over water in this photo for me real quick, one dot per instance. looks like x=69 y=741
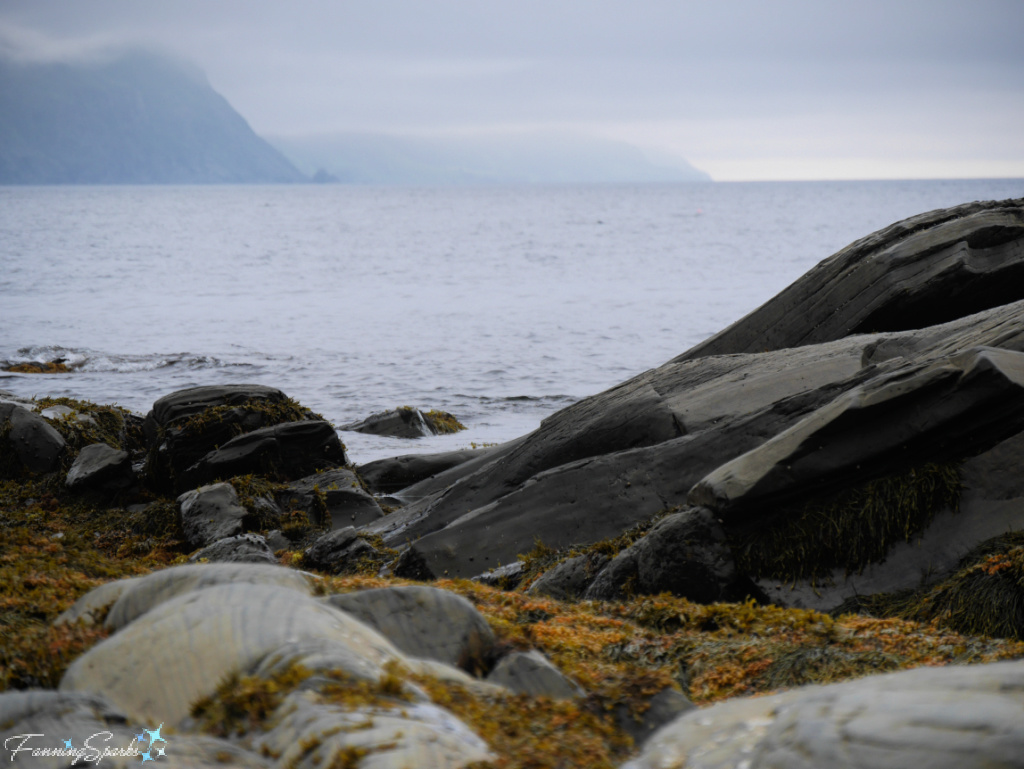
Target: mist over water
x=500 y=305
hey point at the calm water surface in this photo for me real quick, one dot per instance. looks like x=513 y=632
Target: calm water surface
x=500 y=305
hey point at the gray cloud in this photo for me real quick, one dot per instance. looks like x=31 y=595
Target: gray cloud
x=911 y=83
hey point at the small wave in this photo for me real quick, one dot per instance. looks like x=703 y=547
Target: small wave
x=91 y=361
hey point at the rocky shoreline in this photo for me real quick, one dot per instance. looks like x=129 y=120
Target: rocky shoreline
x=829 y=489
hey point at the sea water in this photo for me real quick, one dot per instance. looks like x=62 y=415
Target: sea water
x=500 y=305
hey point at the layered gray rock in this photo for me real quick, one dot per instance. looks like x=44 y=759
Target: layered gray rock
x=387 y=476
x=288 y=451
x=942 y=718
x=210 y=513
x=412 y=618
x=689 y=417
x=923 y=271
x=28 y=443
x=346 y=502
x=100 y=466
x=946 y=408
x=569 y=579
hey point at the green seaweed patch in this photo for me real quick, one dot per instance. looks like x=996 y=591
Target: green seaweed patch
x=848 y=530
x=442 y=423
x=984 y=597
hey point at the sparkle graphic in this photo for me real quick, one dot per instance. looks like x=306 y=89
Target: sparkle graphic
x=154 y=738
x=68 y=745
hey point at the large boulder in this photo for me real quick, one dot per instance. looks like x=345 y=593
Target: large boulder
x=28 y=444
x=187 y=426
x=942 y=718
x=210 y=513
x=618 y=458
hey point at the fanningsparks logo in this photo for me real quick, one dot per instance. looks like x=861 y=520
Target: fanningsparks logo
x=149 y=745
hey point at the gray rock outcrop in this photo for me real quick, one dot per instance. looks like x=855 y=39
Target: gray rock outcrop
x=387 y=476
x=869 y=388
x=100 y=466
x=533 y=674
x=942 y=718
x=242 y=548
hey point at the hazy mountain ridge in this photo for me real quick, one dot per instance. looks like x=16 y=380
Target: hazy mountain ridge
x=137 y=118
x=539 y=157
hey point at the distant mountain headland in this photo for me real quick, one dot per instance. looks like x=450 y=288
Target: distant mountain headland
x=142 y=118
x=527 y=157
x=137 y=118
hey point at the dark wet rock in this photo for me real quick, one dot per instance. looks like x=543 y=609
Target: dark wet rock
x=99 y=466
x=243 y=548
x=28 y=443
x=569 y=579
x=617 y=580
x=664 y=707
x=386 y=476
x=943 y=718
x=186 y=426
x=531 y=673
x=405 y=422
x=211 y=513
x=412 y=617
x=339 y=491
x=338 y=549
x=277 y=541
x=923 y=271
x=685 y=553
x=286 y=451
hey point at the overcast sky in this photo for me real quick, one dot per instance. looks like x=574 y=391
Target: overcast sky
x=743 y=90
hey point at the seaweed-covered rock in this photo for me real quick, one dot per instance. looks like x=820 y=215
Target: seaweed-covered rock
x=532 y=673
x=308 y=734
x=283 y=451
x=336 y=550
x=100 y=466
x=28 y=444
x=242 y=548
x=412 y=617
x=407 y=422
x=210 y=513
x=186 y=426
x=338 y=492
x=946 y=718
